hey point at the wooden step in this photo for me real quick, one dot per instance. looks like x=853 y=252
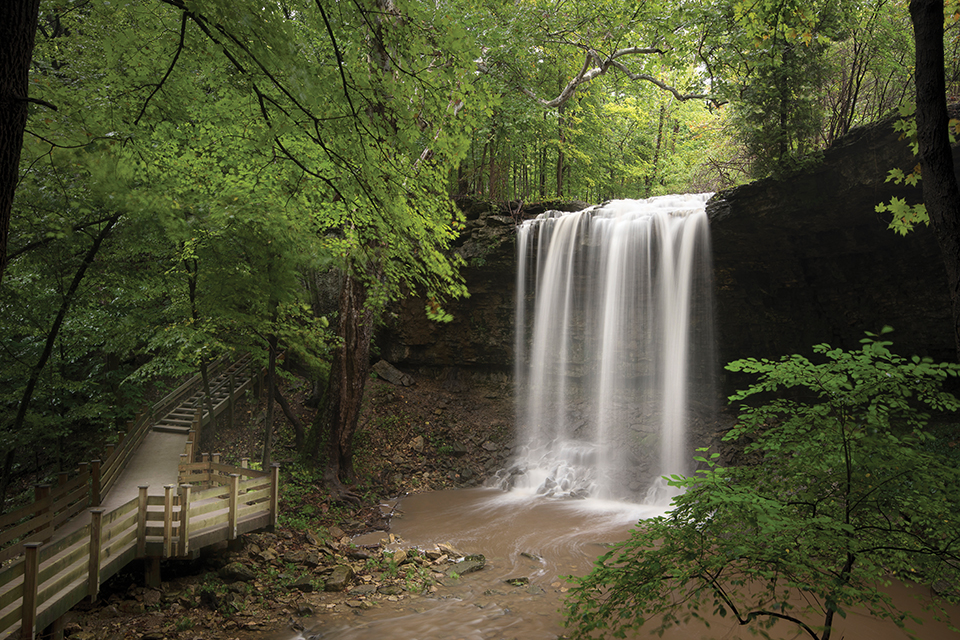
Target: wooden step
x=184 y=422
x=170 y=428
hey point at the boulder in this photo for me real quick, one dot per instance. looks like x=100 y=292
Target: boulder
x=391 y=374
x=339 y=579
x=469 y=564
x=237 y=572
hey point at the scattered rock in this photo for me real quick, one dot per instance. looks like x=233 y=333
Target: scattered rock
x=295 y=557
x=469 y=564
x=339 y=578
x=237 y=571
x=304 y=584
x=359 y=604
x=363 y=590
x=449 y=550
x=391 y=374
x=358 y=554
x=417 y=444
x=110 y=611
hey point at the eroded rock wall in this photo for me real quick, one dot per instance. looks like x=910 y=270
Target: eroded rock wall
x=480 y=339
x=808 y=260
x=796 y=263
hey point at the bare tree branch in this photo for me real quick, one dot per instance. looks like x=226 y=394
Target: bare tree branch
x=596 y=65
x=173 y=63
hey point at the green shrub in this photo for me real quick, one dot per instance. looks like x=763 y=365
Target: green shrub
x=845 y=490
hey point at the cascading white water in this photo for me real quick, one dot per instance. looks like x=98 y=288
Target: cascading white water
x=614 y=347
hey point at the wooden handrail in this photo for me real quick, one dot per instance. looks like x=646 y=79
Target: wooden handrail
x=53 y=577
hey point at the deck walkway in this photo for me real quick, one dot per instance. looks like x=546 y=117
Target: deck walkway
x=149 y=499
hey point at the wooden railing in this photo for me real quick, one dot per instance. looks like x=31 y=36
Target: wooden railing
x=214 y=502
x=188 y=388
x=55 y=505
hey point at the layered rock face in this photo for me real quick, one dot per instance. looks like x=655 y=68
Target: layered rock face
x=807 y=260
x=797 y=262
x=480 y=339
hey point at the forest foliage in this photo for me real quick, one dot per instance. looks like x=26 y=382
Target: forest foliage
x=208 y=161
x=846 y=486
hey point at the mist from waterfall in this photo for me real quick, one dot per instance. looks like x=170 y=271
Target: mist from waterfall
x=614 y=346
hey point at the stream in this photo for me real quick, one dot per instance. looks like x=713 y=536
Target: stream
x=540 y=540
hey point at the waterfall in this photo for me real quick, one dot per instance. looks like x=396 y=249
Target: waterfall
x=614 y=348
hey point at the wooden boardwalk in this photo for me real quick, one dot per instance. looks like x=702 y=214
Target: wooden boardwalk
x=150 y=498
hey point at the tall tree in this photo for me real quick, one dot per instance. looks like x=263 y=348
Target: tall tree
x=18 y=28
x=940 y=192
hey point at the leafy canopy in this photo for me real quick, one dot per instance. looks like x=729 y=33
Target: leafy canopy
x=844 y=486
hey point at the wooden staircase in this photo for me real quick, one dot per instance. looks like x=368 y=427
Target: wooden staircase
x=47 y=565
x=227 y=384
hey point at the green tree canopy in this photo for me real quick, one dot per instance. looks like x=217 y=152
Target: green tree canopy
x=844 y=486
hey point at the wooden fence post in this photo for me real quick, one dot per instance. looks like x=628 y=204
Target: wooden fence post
x=184 y=520
x=244 y=463
x=31 y=570
x=168 y=519
x=95 y=483
x=255 y=380
x=142 y=522
x=231 y=399
x=41 y=492
x=62 y=478
x=274 y=493
x=82 y=470
x=198 y=421
x=232 y=516
x=205 y=460
x=93 y=572
x=215 y=476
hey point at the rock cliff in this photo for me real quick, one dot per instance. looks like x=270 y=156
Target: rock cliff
x=797 y=262
x=807 y=260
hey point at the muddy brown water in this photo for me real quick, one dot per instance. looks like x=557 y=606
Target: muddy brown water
x=541 y=541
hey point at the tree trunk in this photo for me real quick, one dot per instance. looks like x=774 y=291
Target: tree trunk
x=272 y=343
x=656 y=151
x=52 y=334
x=940 y=192
x=298 y=429
x=206 y=434
x=560 y=155
x=18 y=29
x=348 y=377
